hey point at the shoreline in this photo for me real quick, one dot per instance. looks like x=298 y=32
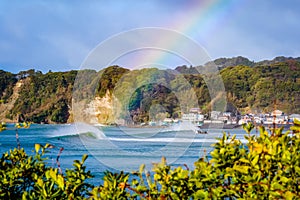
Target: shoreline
x=204 y=126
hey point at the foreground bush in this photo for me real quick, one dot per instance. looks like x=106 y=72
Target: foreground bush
x=267 y=167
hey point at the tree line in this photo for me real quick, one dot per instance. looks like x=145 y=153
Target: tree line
x=47 y=97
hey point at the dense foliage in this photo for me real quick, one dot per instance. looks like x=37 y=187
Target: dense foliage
x=267 y=167
x=148 y=95
x=257 y=87
x=44 y=97
x=7 y=80
x=109 y=78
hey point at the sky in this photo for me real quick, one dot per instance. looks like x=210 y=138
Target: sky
x=59 y=35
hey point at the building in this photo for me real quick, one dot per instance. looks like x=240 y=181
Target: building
x=195 y=110
x=215 y=114
x=277 y=113
x=193 y=117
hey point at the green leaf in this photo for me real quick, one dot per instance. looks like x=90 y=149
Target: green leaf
x=222 y=151
x=241 y=168
x=284 y=179
x=296 y=122
x=248 y=127
x=244 y=160
x=142 y=168
x=53 y=174
x=37 y=147
x=40 y=182
x=84 y=157
x=255 y=160
x=60 y=181
x=289 y=195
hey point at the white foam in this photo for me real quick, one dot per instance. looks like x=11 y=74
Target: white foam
x=168 y=140
x=77 y=129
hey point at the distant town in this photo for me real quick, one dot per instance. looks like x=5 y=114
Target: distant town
x=231 y=120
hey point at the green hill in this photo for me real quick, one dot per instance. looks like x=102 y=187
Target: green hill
x=257 y=87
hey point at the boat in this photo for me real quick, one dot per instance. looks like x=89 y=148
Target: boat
x=198 y=130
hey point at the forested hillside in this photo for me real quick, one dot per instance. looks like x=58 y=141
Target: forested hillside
x=41 y=97
x=262 y=88
x=47 y=98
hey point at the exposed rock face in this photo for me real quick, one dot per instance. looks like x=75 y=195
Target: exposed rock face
x=101 y=109
x=98 y=111
x=6 y=107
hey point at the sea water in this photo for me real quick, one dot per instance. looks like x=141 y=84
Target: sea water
x=115 y=148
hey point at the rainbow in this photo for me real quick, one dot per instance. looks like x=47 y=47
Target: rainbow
x=206 y=16
x=202 y=18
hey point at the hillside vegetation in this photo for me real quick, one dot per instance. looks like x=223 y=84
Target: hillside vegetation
x=258 y=87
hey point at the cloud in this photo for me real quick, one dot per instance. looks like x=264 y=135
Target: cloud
x=59 y=35
x=260 y=30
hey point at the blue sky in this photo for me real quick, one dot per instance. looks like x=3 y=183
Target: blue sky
x=58 y=35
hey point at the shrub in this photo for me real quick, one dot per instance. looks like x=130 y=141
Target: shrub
x=29 y=177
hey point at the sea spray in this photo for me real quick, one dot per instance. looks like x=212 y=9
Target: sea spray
x=87 y=128
x=76 y=129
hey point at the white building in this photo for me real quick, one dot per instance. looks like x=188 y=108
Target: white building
x=193 y=117
x=214 y=114
x=277 y=113
x=195 y=110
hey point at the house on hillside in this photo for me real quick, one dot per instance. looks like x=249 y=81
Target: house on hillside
x=195 y=110
x=194 y=116
x=277 y=113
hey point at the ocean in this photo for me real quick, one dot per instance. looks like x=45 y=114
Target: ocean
x=115 y=148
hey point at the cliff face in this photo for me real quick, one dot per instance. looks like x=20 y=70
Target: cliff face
x=100 y=110
x=6 y=107
x=47 y=98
